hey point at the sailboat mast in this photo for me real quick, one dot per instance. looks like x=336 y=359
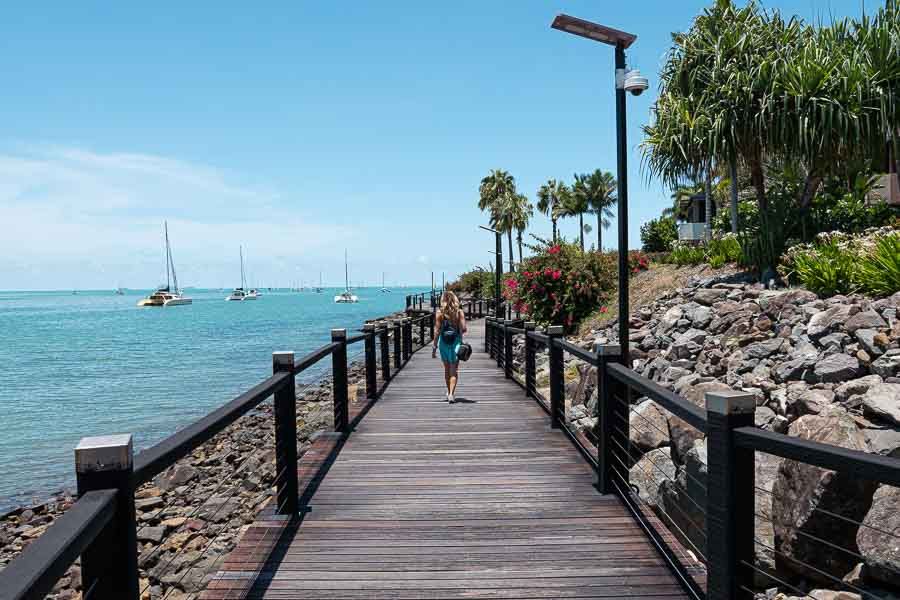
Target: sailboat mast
x=171 y=261
x=346 y=272
x=241 y=250
x=166 y=229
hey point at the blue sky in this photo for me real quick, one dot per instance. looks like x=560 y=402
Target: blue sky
x=299 y=128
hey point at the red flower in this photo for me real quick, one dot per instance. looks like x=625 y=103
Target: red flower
x=604 y=309
x=548 y=272
x=556 y=274
x=511 y=283
x=554 y=249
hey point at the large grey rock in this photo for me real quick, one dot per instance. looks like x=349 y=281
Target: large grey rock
x=855 y=387
x=669 y=319
x=882 y=401
x=682 y=434
x=871 y=341
x=765 y=348
x=883 y=440
x=887 y=365
x=649 y=473
x=175 y=476
x=687 y=344
x=800 y=489
x=684 y=499
x=881 y=551
x=649 y=426
x=837 y=368
x=708 y=296
x=698 y=315
x=867 y=319
x=821 y=324
x=766 y=469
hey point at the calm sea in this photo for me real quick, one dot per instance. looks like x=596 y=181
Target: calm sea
x=94 y=364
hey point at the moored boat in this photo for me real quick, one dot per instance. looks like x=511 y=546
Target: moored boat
x=170 y=295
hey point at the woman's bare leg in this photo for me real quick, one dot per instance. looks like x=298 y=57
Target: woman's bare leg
x=454 y=377
x=447 y=372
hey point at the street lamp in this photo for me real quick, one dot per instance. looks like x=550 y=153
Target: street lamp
x=633 y=82
x=498 y=269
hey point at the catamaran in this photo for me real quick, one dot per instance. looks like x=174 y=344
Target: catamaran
x=384 y=290
x=170 y=295
x=346 y=297
x=240 y=294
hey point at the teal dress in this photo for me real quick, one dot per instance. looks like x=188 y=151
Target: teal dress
x=449 y=349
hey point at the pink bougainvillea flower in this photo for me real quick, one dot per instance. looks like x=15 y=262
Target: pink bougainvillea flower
x=556 y=274
x=548 y=271
x=554 y=249
x=604 y=309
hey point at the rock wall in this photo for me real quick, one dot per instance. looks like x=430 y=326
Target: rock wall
x=821 y=369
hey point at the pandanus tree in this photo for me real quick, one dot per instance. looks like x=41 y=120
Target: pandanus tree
x=495 y=193
x=551 y=197
x=598 y=191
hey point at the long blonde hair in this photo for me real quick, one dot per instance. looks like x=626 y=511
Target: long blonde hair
x=450 y=309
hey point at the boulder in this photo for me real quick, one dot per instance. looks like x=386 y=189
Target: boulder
x=882 y=401
x=669 y=319
x=709 y=296
x=837 y=368
x=872 y=341
x=800 y=489
x=881 y=551
x=766 y=348
x=175 y=476
x=684 y=500
x=682 y=434
x=766 y=469
x=648 y=474
x=687 y=344
x=887 y=365
x=884 y=441
x=699 y=316
x=855 y=387
x=823 y=323
x=649 y=428
x=867 y=319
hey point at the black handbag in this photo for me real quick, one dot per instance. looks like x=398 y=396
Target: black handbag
x=464 y=352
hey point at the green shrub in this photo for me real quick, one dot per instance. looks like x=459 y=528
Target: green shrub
x=826 y=270
x=879 y=269
x=725 y=249
x=560 y=284
x=683 y=254
x=478 y=283
x=657 y=235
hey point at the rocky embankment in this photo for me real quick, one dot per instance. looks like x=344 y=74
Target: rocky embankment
x=826 y=370
x=191 y=515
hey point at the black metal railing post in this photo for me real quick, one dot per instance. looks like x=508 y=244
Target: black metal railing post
x=385 y=351
x=109 y=567
x=408 y=302
x=530 y=360
x=557 y=377
x=729 y=495
x=422 y=332
x=286 y=436
x=609 y=415
x=499 y=334
x=507 y=349
x=487 y=337
x=407 y=339
x=339 y=381
x=371 y=362
x=398 y=344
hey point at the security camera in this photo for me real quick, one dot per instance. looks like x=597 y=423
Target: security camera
x=635 y=82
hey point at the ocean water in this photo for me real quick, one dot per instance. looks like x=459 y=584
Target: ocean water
x=95 y=364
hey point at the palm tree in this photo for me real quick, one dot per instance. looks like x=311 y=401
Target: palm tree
x=495 y=193
x=551 y=196
x=598 y=191
x=520 y=211
x=681 y=196
x=575 y=205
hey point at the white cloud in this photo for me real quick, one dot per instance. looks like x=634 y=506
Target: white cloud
x=422 y=260
x=68 y=212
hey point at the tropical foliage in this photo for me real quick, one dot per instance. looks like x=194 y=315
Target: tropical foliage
x=551 y=197
x=478 y=283
x=560 y=284
x=509 y=211
x=658 y=235
x=597 y=192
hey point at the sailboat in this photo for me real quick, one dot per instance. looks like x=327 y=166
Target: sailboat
x=384 y=290
x=346 y=297
x=170 y=295
x=239 y=294
x=319 y=289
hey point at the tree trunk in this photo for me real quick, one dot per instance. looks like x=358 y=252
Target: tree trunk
x=709 y=205
x=759 y=183
x=512 y=258
x=521 y=259
x=581 y=229
x=810 y=187
x=599 y=231
x=554 y=230
x=734 y=195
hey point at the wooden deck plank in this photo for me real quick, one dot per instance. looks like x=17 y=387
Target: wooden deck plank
x=427 y=501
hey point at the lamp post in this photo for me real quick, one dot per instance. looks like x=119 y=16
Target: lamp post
x=630 y=81
x=498 y=269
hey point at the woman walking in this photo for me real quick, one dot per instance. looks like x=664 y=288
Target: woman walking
x=449 y=327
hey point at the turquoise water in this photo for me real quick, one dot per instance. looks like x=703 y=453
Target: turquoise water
x=94 y=363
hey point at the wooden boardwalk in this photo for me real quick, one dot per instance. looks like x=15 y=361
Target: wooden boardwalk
x=425 y=500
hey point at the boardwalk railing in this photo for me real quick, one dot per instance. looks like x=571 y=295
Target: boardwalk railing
x=474 y=308
x=100 y=527
x=722 y=506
